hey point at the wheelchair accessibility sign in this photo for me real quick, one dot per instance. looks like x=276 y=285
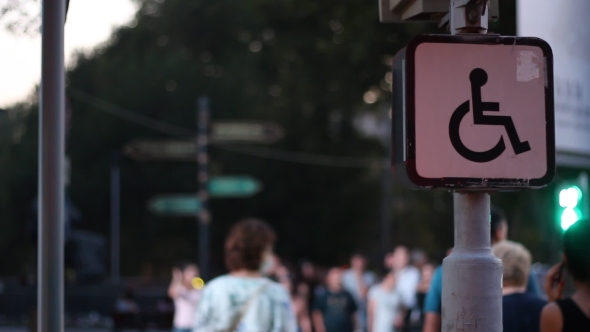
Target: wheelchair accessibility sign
x=478 y=112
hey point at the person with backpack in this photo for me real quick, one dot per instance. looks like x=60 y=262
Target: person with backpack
x=244 y=300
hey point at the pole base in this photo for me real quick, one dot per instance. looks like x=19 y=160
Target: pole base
x=472 y=291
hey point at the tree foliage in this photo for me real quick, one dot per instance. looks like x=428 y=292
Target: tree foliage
x=304 y=64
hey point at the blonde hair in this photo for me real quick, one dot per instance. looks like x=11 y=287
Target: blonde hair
x=516 y=261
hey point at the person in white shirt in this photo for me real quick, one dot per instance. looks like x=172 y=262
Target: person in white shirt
x=385 y=312
x=184 y=295
x=408 y=278
x=357 y=281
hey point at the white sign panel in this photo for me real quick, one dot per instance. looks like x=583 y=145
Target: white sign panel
x=479 y=112
x=561 y=24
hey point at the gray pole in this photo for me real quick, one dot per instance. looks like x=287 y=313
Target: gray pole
x=204 y=217
x=50 y=292
x=472 y=275
x=115 y=216
x=387 y=194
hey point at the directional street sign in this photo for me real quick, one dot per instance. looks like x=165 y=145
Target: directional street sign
x=476 y=112
x=233 y=186
x=176 y=205
x=164 y=150
x=186 y=205
x=246 y=132
x=186 y=149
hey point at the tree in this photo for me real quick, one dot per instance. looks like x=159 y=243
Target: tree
x=305 y=64
x=22 y=16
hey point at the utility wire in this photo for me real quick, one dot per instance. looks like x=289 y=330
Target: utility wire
x=302 y=158
x=135 y=118
x=256 y=151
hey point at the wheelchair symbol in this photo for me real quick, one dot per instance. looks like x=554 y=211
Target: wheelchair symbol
x=479 y=78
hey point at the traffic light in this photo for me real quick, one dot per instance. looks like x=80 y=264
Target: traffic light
x=572 y=201
x=569 y=200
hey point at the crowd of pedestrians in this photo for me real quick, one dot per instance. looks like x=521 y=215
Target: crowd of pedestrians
x=262 y=293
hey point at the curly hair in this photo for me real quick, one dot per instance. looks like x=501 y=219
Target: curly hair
x=246 y=242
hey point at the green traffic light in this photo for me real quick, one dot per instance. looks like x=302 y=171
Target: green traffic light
x=569 y=199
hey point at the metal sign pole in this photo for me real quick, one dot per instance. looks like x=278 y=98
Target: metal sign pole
x=472 y=275
x=50 y=292
x=115 y=216
x=204 y=216
x=387 y=191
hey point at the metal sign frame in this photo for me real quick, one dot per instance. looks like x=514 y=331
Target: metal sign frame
x=404 y=161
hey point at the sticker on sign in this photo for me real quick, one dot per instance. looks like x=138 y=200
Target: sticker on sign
x=478 y=112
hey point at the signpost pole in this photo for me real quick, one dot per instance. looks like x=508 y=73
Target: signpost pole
x=387 y=194
x=472 y=275
x=50 y=291
x=115 y=216
x=203 y=114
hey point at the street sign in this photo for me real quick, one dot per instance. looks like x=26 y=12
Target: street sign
x=164 y=150
x=180 y=205
x=187 y=205
x=246 y=132
x=474 y=112
x=233 y=186
x=186 y=149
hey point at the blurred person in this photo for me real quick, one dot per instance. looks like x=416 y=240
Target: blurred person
x=274 y=269
x=308 y=281
x=433 y=305
x=571 y=314
x=521 y=311
x=281 y=272
x=126 y=304
x=385 y=312
x=357 y=281
x=185 y=296
x=408 y=277
x=298 y=303
x=245 y=300
x=335 y=308
x=387 y=262
x=127 y=311
x=418 y=258
x=426 y=274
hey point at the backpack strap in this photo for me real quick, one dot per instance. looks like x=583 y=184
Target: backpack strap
x=238 y=318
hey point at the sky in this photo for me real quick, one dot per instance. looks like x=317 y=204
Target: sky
x=89 y=23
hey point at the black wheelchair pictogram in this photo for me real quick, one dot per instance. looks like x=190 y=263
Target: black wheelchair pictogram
x=479 y=78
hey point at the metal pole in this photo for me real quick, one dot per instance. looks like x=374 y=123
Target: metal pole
x=50 y=292
x=472 y=275
x=115 y=216
x=204 y=216
x=387 y=193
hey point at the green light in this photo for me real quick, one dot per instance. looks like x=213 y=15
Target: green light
x=569 y=199
x=569 y=217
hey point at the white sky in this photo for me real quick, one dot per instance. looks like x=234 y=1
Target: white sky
x=89 y=23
